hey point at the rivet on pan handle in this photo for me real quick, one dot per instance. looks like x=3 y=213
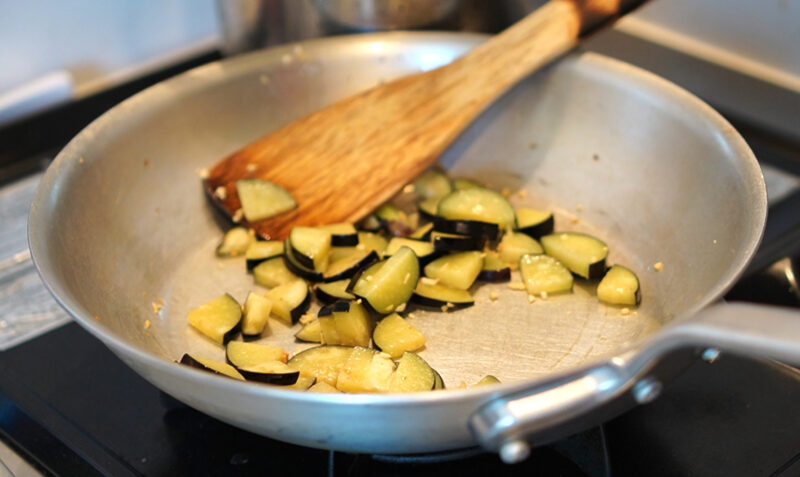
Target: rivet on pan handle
x=510 y=424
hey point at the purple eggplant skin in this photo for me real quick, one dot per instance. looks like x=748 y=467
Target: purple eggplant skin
x=495 y=276
x=344 y=240
x=301 y=309
x=188 y=360
x=280 y=379
x=297 y=268
x=472 y=228
x=337 y=307
x=458 y=244
x=428 y=302
x=538 y=230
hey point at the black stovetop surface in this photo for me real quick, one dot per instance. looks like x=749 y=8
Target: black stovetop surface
x=72 y=408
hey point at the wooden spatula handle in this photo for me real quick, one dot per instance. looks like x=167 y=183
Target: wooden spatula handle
x=341 y=162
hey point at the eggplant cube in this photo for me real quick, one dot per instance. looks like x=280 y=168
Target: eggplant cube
x=219 y=319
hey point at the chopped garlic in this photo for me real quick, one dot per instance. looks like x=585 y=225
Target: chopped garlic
x=250 y=167
x=146 y=324
x=306 y=318
x=543 y=295
x=516 y=286
x=531 y=298
x=658 y=266
x=408 y=189
x=626 y=311
x=506 y=192
x=237 y=216
x=401 y=308
x=156 y=307
x=220 y=193
x=493 y=295
x=203 y=173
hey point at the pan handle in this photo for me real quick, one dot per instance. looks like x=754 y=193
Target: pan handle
x=510 y=424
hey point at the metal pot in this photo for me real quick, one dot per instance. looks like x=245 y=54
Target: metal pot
x=120 y=222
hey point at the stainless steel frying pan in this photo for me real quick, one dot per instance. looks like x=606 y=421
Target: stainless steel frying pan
x=120 y=223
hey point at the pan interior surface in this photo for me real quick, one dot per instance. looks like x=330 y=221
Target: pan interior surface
x=125 y=238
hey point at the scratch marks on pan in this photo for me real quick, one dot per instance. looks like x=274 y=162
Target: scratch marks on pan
x=574 y=343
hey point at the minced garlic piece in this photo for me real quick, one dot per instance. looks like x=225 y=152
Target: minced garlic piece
x=625 y=311
x=156 y=307
x=543 y=295
x=306 y=318
x=531 y=298
x=516 y=286
x=250 y=167
x=493 y=295
x=411 y=315
x=401 y=308
x=237 y=216
x=221 y=193
x=408 y=189
x=146 y=324
x=202 y=173
x=506 y=192
x=658 y=266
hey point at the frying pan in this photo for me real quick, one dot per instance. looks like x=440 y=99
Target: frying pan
x=120 y=224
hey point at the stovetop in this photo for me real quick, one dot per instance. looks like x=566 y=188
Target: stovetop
x=70 y=407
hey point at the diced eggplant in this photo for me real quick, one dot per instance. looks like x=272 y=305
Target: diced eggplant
x=442 y=297
x=394 y=335
x=372 y=241
x=342 y=235
x=461 y=184
x=432 y=184
x=296 y=267
x=310 y=247
x=438 y=382
x=321 y=362
x=323 y=387
x=619 y=286
x=345 y=323
x=273 y=272
x=427 y=208
x=543 y=273
x=346 y=267
x=290 y=301
x=514 y=245
x=220 y=319
x=582 y=254
x=257 y=308
x=211 y=366
x=262 y=199
x=270 y=372
x=241 y=354
x=365 y=371
x=260 y=251
x=458 y=270
x=334 y=291
x=445 y=242
x=487 y=380
x=311 y=332
x=494 y=269
x=483 y=205
x=388 y=284
x=422 y=249
x=303 y=383
x=413 y=374
x=535 y=223
x=235 y=242
x=423 y=232
x=473 y=228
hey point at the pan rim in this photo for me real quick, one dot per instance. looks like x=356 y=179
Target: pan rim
x=192 y=78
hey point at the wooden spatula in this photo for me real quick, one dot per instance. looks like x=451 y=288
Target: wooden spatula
x=343 y=161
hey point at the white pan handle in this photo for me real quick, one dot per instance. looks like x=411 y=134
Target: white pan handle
x=510 y=424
